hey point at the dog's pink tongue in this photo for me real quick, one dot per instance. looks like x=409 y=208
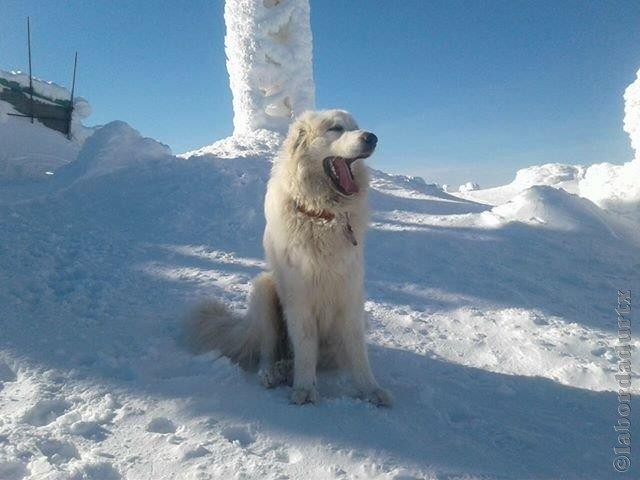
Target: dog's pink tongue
x=344 y=176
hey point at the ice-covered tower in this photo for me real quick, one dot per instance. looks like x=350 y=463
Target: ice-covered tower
x=269 y=58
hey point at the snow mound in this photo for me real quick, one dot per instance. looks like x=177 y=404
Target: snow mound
x=113 y=147
x=403 y=185
x=614 y=187
x=261 y=143
x=550 y=207
x=555 y=175
x=268 y=48
x=469 y=187
x=552 y=174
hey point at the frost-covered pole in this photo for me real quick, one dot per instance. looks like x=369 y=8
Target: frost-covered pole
x=269 y=58
x=632 y=114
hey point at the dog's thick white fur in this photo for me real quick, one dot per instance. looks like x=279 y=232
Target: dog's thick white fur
x=309 y=307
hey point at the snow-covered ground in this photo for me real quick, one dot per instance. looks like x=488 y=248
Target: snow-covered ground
x=493 y=326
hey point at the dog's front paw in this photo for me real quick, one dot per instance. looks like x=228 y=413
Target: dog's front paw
x=379 y=397
x=300 y=396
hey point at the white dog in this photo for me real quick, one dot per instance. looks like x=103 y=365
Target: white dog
x=310 y=305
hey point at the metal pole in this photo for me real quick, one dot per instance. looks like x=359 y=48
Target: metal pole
x=73 y=88
x=30 y=74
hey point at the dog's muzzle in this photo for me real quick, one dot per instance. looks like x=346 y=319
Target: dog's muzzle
x=338 y=169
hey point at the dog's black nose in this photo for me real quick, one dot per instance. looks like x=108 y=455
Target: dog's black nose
x=370 y=139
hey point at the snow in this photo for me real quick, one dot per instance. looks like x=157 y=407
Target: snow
x=269 y=58
x=614 y=187
x=468 y=187
x=555 y=175
x=21 y=159
x=492 y=327
x=43 y=87
x=552 y=208
x=259 y=143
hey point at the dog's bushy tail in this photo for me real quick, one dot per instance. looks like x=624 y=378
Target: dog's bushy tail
x=213 y=326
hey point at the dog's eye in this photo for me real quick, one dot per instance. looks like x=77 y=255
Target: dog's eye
x=336 y=128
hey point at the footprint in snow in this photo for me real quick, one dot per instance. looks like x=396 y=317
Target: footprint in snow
x=240 y=434
x=45 y=412
x=58 y=452
x=194 y=452
x=161 y=425
x=89 y=430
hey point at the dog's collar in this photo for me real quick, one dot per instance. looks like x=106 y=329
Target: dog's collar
x=328 y=216
x=323 y=214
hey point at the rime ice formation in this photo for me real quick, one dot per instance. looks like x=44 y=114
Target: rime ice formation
x=469 y=187
x=632 y=113
x=269 y=58
x=268 y=48
x=617 y=187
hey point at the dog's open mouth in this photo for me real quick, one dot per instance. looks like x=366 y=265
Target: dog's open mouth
x=338 y=169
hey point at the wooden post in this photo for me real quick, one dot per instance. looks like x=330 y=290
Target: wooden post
x=73 y=88
x=30 y=73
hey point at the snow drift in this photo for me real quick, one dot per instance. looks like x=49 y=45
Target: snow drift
x=552 y=208
x=111 y=148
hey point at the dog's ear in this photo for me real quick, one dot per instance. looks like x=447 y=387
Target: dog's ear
x=297 y=138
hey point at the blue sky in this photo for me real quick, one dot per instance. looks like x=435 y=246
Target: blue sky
x=456 y=90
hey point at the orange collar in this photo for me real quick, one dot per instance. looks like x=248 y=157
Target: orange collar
x=324 y=214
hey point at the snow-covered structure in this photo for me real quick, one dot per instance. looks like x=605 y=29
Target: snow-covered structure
x=48 y=95
x=268 y=48
x=268 y=45
x=34 y=151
